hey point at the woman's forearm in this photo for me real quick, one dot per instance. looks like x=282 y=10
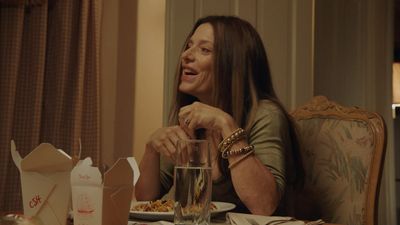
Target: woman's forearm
x=253 y=182
x=255 y=185
x=148 y=186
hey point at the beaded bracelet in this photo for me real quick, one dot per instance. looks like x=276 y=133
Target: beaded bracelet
x=225 y=154
x=231 y=139
x=240 y=159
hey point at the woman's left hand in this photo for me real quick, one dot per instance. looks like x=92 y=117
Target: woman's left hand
x=199 y=115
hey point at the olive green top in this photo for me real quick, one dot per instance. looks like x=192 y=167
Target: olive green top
x=270 y=136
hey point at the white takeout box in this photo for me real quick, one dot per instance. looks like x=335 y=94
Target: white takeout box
x=45 y=182
x=103 y=201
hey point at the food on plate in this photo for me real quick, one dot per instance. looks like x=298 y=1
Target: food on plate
x=160 y=206
x=196 y=209
x=155 y=206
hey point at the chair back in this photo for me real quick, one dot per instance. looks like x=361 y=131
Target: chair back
x=342 y=150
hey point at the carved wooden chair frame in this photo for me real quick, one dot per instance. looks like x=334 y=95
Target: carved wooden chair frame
x=321 y=107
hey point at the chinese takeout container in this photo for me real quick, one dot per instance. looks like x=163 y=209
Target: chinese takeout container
x=45 y=182
x=103 y=199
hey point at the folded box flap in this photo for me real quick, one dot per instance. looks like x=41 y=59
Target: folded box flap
x=55 y=203
x=135 y=168
x=120 y=174
x=46 y=157
x=85 y=174
x=116 y=205
x=36 y=189
x=15 y=155
x=59 y=200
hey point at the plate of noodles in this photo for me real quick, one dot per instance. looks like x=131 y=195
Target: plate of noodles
x=164 y=209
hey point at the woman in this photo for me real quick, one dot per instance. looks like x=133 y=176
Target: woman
x=224 y=90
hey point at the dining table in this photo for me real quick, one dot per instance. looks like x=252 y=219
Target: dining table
x=215 y=220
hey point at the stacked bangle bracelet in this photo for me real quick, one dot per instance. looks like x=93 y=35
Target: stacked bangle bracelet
x=240 y=151
x=231 y=139
x=225 y=146
x=240 y=159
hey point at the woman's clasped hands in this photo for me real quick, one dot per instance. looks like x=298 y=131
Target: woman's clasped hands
x=191 y=117
x=199 y=115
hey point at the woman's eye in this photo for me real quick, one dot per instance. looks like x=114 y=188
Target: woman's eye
x=205 y=50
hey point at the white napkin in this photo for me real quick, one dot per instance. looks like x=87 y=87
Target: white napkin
x=249 y=219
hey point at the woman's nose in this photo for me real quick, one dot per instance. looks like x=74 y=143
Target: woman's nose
x=188 y=55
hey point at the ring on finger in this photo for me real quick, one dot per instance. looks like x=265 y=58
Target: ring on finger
x=187 y=121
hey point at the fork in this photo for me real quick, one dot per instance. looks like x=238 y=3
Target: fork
x=316 y=222
x=276 y=222
x=281 y=221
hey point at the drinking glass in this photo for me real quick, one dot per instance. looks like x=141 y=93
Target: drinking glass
x=192 y=180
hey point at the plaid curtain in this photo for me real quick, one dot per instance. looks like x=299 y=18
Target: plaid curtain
x=49 y=82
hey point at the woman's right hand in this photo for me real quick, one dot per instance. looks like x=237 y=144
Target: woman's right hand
x=164 y=140
x=161 y=142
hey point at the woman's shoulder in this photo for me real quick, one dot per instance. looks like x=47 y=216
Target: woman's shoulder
x=268 y=107
x=270 y=120
x=269 y=112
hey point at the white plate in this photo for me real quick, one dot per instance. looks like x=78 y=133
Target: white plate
x=221 y=207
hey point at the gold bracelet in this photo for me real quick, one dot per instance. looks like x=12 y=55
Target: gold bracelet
x=231 y=139
x=240 y=159
x=225 y=154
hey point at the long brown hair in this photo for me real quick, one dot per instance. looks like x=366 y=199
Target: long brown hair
x=241 y=77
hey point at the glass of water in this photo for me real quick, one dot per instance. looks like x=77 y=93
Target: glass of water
x=192 y=180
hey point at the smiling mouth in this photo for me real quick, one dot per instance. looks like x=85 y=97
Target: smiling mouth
x=189 y=72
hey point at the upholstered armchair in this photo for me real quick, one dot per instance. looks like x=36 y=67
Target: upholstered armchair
x=343 y=151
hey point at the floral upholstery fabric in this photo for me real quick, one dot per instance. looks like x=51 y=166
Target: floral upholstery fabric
x=337 y=155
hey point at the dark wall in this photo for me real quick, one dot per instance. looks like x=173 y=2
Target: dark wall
x=397 y=30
